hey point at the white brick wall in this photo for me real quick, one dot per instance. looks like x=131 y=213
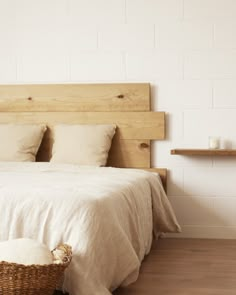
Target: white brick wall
x=126 y=37
x=209 y=122
x=185 y=48
x=209 y=9
x=102 y=11
x=224 y=34
x=151 y=65
x=151 y=11
x=224 y=94
x=80 y=37
x=43 y=68
x=43 y=12
x=8 y=68
x=184 y=35
x=185 y=94
x=210 y=65
x=97 y=66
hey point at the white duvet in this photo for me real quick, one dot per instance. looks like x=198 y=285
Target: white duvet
x=107 y=215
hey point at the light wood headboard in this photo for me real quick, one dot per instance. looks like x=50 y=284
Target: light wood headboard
x=126 y=105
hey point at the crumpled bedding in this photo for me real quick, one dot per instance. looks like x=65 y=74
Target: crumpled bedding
x=108 y=216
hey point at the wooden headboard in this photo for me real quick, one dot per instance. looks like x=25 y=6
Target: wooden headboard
x=126 y=105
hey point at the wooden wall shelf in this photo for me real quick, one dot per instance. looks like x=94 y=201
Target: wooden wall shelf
x=203 y=152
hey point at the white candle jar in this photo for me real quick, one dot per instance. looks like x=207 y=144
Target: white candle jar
x=214 y=142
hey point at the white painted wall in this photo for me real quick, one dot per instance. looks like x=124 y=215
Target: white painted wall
x=185 y=48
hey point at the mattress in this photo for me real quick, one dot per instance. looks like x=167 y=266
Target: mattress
x=108 y=215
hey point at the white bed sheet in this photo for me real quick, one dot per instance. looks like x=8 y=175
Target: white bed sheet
x=107 y=215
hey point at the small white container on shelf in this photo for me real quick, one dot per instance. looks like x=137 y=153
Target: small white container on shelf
x=214 y=142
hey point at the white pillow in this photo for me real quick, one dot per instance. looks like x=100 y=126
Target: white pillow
x=20 y=143
x=25 y=251
x=82 y=144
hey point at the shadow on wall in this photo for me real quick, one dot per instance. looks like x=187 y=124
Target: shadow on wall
x=155 y=107
x=154 y=96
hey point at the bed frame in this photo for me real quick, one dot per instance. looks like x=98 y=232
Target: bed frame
x=126 y=105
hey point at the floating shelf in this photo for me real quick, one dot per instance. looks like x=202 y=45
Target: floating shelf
x=203 y=152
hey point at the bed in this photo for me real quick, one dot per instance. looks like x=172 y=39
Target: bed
x=108 y=214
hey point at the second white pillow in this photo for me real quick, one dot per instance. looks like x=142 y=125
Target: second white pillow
x=82 y=144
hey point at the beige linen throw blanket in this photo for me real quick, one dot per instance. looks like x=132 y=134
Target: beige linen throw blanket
x=107 y=215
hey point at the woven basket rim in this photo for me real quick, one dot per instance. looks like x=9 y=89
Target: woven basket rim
x=32 y=279
x=64 y=264
x=37 y=265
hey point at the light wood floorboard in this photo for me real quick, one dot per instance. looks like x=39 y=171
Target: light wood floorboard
x=187 y=267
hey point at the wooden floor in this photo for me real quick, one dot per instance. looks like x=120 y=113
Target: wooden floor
x=187 y=267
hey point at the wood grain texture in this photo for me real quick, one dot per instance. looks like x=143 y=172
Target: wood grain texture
x=129 y=153
x=75 y=97
x=125 y=105
x=187 y=267
x=203 y=152
x=131 y=125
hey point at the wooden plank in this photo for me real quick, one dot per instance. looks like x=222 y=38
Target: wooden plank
x=130 y=125
x=203 y=152
x=129 y=153
x=75 y=97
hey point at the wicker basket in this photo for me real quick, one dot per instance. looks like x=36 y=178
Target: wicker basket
x=18 y=279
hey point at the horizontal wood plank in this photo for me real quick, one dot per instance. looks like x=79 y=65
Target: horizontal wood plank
x=130 y=125
x=75 y=97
